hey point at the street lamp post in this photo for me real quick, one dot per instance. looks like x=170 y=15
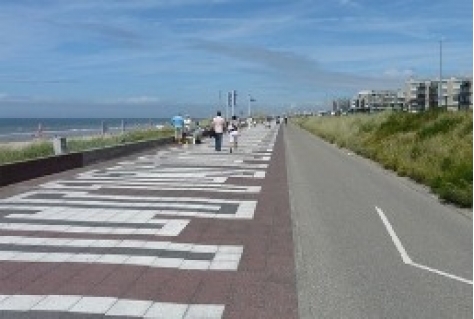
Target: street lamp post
x=234 y=101
x=250 y=106
x=440 y=104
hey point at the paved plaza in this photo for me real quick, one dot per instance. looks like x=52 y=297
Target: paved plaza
x=178 y=232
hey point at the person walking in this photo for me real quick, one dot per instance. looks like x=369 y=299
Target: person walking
x=218 y=124
x=233 y=129
x=178 y=123
x=187 y=125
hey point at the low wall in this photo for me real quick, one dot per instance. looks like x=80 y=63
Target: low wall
x=108 y=153
x=22 y=171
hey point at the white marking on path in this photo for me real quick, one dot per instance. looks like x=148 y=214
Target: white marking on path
x=124 y=205
x=96 y=185
x=406 y=259
x=171 y=228
x=226 y=257
x=109 y=306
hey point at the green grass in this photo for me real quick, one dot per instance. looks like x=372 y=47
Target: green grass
x=9 y=154
x=433 y=148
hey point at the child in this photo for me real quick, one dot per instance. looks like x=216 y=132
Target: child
x=233 y=129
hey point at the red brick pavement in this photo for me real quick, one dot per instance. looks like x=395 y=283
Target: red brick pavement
x=264 y=286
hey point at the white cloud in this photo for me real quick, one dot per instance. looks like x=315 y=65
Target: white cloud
x=142 y=100
x=294 y=67
x=350 y=3
x=399 y=73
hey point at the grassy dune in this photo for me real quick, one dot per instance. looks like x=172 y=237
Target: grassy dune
x=433 y=148
x=37 y=149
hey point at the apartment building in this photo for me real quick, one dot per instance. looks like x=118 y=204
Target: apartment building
x=421 y=95
x=417 y=95
x=456 y=94
x=377 y=100
x=465 y=95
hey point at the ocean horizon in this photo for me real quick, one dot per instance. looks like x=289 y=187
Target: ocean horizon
x=27 y=129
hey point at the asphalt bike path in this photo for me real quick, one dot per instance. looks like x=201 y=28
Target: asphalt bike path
x=178 y=232
x=370 y=244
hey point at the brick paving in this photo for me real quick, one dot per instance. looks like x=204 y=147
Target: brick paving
x=181 y=232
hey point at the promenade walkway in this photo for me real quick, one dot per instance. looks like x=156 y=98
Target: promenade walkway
x=180 y=232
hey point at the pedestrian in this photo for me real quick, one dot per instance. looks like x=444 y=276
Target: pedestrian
x=286 y=120
x=233 y=129
x=268 y=123
x=218 y=124
x=178 y=123
x=187 y=125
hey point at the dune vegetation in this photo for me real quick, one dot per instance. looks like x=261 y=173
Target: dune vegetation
x=433 y=148
x=10 y=153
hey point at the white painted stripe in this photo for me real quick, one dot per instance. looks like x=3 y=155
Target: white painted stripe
x=90 y=201
x=170 y=226
x=219 y=188
x=245 y=208
x=259 y=175
x=124 y=213
x=442 y=273
x=109 y=306
x=226 y=257
x=130 y=308
x=86 y=195
x=168 y=230
x=407 y=260
x=398 y=244
x=95 y=305
x=19 y=302
x=211 y=179
x=116 y=259
x=161 y=310
x=56 y=303
x=204 y=312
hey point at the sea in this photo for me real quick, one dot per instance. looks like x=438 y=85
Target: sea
x=28 y=129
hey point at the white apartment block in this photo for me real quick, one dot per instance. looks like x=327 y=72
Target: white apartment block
x=417 y=95
x=376 y=100
x=456 y=93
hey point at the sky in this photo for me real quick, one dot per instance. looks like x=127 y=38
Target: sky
x=157 y=58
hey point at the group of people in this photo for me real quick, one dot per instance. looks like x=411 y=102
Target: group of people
x=219 y=126
x=183 y=127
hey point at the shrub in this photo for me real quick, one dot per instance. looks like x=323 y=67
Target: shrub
x=9 y=154
x=433 y=147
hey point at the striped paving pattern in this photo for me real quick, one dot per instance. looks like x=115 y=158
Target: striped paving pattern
x=184 y=232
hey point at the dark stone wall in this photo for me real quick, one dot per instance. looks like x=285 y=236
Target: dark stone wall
x=22 y=171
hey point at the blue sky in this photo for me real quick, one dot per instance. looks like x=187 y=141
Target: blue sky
x=153 y=58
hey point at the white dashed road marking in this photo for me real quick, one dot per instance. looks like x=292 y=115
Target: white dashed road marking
x=406 y=258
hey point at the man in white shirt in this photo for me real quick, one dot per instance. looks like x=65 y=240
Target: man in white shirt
x=218 y=124
x=187 y=124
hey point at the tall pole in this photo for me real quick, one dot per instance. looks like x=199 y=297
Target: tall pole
x=219 y=107
x=227 y=107
x=250 y=110
x=440 y=73
x=233 y=102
